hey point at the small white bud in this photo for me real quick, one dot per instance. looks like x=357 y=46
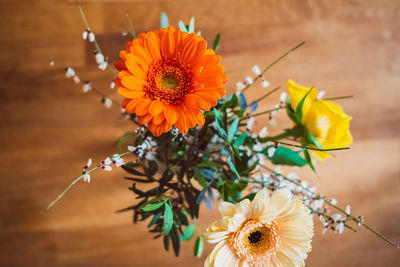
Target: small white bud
x=112 y=85
x=320 y=94
x=348 y=209
x=85 y=35
x=265 y=83
x=333 y=201
x=51 y=62
x=99 y=57
x=89 y=163
x=69 y=72
x=240 y=86
x=103 y=65
x=336 y=217
x=272 y=122
x=76 y=79
x=283 y=97
x=107 y=102
x=107 y=168
x=256 y=70
x=91 y=37
x=86 y=178
x=249 y=80
x=263 y=133
x=271 y=151
x=339 y=228
x=131 y=148
x=86 y=87
x=250 y=123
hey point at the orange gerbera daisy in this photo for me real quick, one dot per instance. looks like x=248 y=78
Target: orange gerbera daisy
x=168 y=77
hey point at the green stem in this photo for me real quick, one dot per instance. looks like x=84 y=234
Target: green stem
x=312 y=148
x=273 y=63
x=339 y=97
x=77 y=180
x=96 y=44
x=268 y=94
x=262 y=113
x=132 y=28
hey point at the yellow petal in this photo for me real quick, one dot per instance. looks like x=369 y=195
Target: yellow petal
x=297 y=92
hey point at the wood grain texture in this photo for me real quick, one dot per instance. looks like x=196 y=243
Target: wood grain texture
x=49 y=128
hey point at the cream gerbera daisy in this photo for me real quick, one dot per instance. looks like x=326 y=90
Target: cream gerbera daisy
x=268 y=231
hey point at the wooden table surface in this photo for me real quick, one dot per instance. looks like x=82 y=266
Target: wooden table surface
x=49 y=128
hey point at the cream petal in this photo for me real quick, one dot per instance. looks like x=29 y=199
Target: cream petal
x=262 y=195
x=236 y=222
x=223 y=257
x=243 y=263
x=227 y=209
x=278 y=203
x=244 y=208
x=288 y=262
x=291 y=251
x=257 y=208
x=216 y=236
x=211 y=257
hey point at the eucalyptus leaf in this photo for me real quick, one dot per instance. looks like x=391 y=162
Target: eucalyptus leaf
x=253 y=106
x=182 y=26
x=153 y=206
x=233 y=129
x=187 y=233
x=217 y=41
x=164 y=20
x=166 y=242
x=232 y=166
x=240 y=140
x=191 y=25
x=198 y=247
x=242 y=101
x=286 y=156
x=168 y=218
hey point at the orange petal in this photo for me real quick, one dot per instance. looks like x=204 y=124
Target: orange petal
x=133 y=83
x=145 y=119
x=156 y=107
x=194 y=101
x=158 y=119
x=143 y=107
x=134 y=68
x=152 y=44
x=178 y=37
x=168 y=45
x=189 y=47
x=131 y=106
x=182 y=125
x=170 y=113
x=130 y=93
x=166 y=126
x=200 y=120
x=125 y=102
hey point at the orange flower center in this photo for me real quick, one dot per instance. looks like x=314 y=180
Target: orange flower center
x=169 y=80
x=255 y=241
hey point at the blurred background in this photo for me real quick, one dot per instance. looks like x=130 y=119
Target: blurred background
x=49 y=128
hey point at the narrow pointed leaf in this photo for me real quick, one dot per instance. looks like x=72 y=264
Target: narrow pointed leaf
x=254 y=106
x=191 y=25
x=217 y=41
x=198 y=247
x=164 y=20
x=233 y=129
x=242 y=101
x=153 y=206
x=299 y=109
x=168 y=218
x=182 y=26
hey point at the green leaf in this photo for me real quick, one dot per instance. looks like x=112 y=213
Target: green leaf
x=233 y=129
x=239 y=112
x=240 y=140
x=218 y=121
x=299 y=109
x=191 y=25
x=188 y=232
x=198 y=247
x=155 y=219
x=164 y=20
x=166 y=242
x=311 y=138
x=124 y=139
x=233 y=101
x=308 y=159
x=132 y=171
x=232 y=166
x=200 y=178
x=182 y=26
x=217 y=41
x=209 y=164
x=286 y=156
x=168 y=218
x=153 y=206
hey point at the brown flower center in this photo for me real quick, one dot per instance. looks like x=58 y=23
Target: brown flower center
x=169 y=80
x=255 y=241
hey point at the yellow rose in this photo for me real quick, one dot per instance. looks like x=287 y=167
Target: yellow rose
x=324 y=119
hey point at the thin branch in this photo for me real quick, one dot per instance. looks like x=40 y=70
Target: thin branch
x=312 y=148
x=273 y=63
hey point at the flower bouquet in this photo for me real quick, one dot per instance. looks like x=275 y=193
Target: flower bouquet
x=191 y=143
